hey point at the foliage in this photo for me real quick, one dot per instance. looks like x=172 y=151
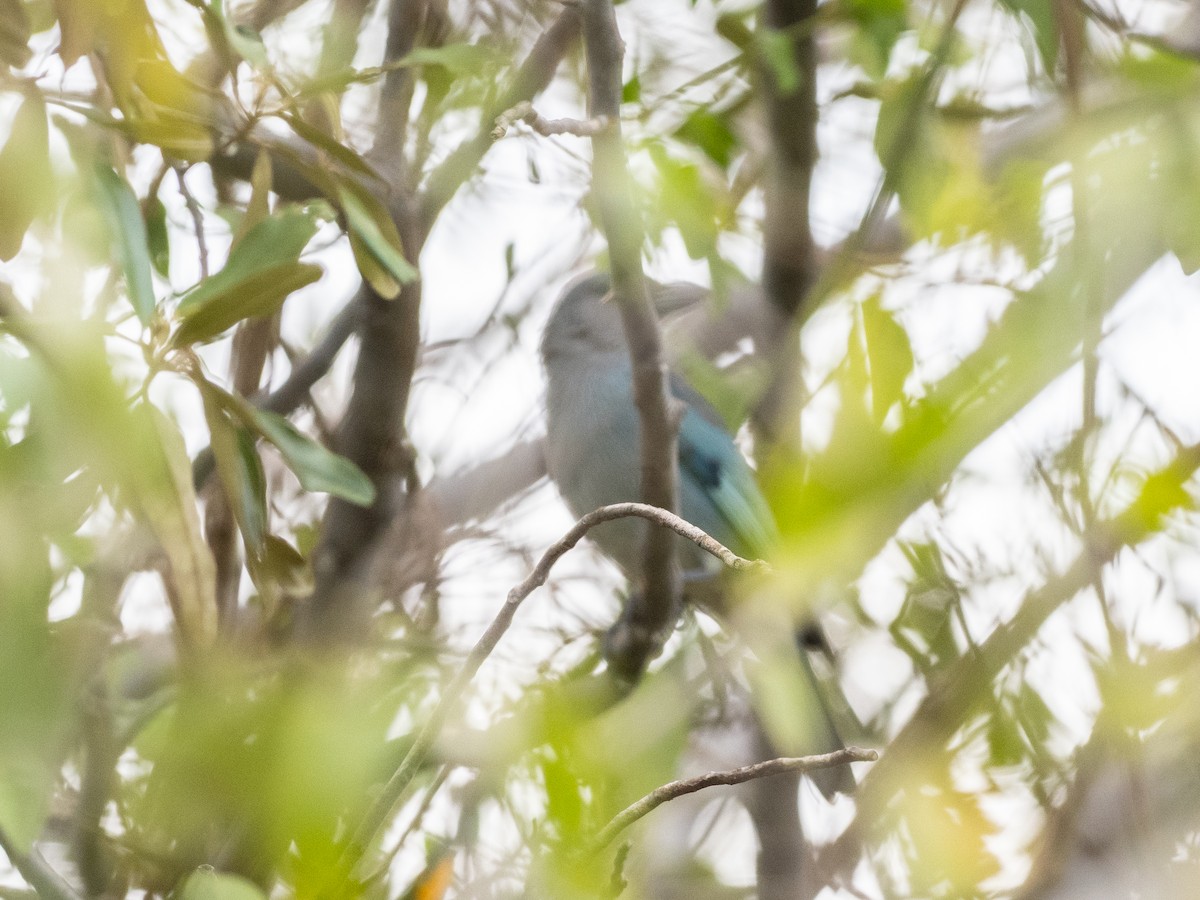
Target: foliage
x=189 y=189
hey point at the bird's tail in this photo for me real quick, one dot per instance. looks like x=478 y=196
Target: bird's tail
x=800 y=709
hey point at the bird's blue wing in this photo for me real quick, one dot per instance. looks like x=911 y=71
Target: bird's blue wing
x=718 y=489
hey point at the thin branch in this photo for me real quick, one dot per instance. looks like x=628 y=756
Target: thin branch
x=956 y=690
x=377 y=816
x=649 y=612
x=524 y=112
x=532 y=78
x=673 y=789
x=197 y=215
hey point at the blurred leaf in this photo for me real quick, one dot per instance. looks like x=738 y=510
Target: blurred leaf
x=1161 y=73
x=887 y=353
x=564 y=797
x=286 y=568
x=157 y=239
x=375 y=242
x=1038 y=17
x=711 y=133
x=26 y=179
x=77 y=22
x=778 y=51
x=879 y=24
x=947 y=832
x=906 y=141
x=168 y=499
x=262 y=270
x=631 y=91
x=318 y=468
x=686 y=200
x=14 y=33
x=1005 y=747
x=207 y=884
x=733 y=27
x=259 y=206
x=130 y=240
x=457 y=59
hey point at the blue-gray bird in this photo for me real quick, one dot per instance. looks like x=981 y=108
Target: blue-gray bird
x=592 y=454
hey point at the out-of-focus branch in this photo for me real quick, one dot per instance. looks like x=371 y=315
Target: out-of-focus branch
x=651 y=611
x=524 y=112
x=955 y=691
x=531 y=79
x=766 y=769
x=381 y=809
x=405 y=18
x=35 y=870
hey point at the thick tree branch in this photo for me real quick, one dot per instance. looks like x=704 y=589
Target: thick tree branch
x=651 y=611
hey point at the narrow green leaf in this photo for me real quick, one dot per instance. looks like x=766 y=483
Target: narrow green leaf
x=262 y=270
x=14 y=33
x=26 y=180
x=208 y=884
x=1038 y=16
x=373 y=237
x=155 y=214
x=168 y=500
x=324 y=142
x=238 y=467
x=257 y=294
x=318 y=468
x=889 y=356
x=130 y=240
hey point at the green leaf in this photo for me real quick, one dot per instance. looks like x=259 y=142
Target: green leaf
x=326 y=143
x=130 y=240
x=262 y=270
x=1038 y=17
x=207 y=884
x=375 y=242
x=14 y=33
x=258 y=294
x=688 y=201
x=318 y=468
x=168 y=500
x=157 y=239
x=711 y=133
x=880 y=23
x=888 y=354
x=239 y=468
x=777 y=50
x=26 y=180
x=457 y=59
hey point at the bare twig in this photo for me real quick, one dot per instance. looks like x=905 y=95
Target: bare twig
x=671 y=790
x=391 y=793
x=197 y=215
x=524 y=112
x=650 y=611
